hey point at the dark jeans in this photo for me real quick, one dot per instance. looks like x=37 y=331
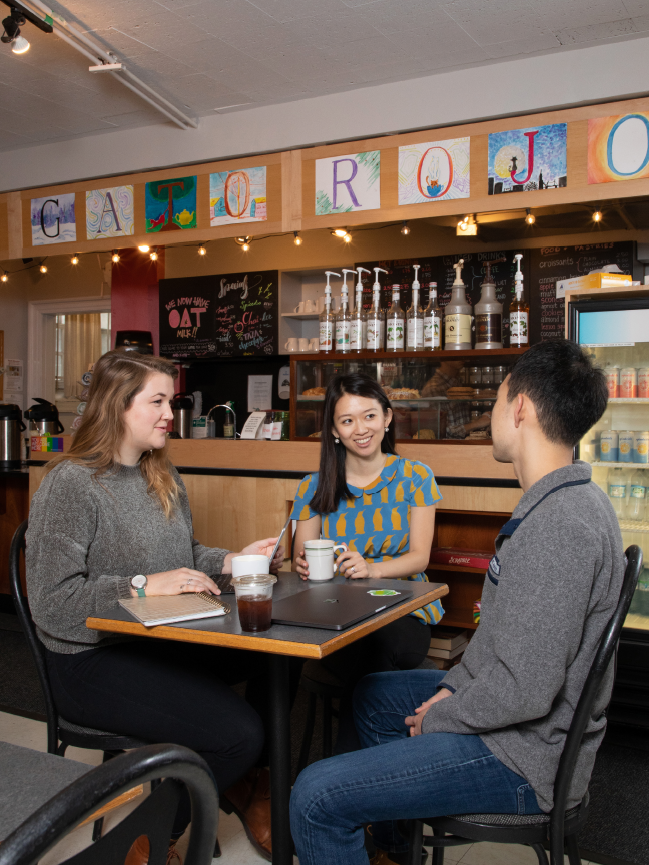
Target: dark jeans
x=396 y=777
x=175 y=692
x=401 y=645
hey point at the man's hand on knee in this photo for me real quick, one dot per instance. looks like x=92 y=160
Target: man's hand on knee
x=414 y=721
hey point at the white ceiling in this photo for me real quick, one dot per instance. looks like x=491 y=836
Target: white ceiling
x=219 y=55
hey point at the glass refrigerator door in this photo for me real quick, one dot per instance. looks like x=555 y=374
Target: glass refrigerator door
x=616 y=335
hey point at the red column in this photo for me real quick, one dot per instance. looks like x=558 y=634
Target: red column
x=134 y=293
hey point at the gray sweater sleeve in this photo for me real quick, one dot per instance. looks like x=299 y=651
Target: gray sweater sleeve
x=62 y=525
x=538 y=608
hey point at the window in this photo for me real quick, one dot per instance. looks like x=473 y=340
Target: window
x=79 y=341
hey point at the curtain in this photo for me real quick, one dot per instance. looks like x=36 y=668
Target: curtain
x=81 y=348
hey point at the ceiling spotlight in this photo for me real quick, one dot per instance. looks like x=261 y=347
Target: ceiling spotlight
x=339 y=232
x=4 y=277
x=597 y=216
x=153 y=255
x=530 y=219
x=297 y=240
x=43 y=268
x=144 y=247
x=74 y=259
x=20 y=45
x=202 y=250
x=115 y=256
x=405 y=228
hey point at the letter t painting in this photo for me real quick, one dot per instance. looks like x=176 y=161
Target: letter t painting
x=346 y=183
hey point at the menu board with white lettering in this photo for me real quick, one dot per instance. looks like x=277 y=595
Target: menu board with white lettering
x=226 y=315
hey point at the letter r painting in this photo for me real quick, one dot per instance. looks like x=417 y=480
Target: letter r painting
x=346 y=183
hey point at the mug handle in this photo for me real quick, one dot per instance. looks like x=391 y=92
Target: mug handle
x=343 y=547
x=297 y=308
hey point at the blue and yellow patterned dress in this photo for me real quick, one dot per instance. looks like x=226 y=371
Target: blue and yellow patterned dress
x=376 y=521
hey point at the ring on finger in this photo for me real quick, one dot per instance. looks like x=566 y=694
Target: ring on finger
x=353 y=569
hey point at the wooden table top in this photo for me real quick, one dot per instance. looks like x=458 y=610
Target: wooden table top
x=280 y=639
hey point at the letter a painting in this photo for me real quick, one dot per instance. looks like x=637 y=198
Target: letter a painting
x=238 y=196
x=618 y=148
x=170 y=205
x=527 y=159
x=434 y=171
x=109 y=212
x=53 y=219
x=345 y=183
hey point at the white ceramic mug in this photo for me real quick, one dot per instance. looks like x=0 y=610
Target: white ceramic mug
x=300 y=307
x=320 y=558
x=314 y=345
x=291 y=344
x=310 y=306
x=244 y=565
x=303 y=343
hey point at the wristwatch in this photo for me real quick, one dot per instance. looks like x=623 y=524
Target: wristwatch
x=138 y=582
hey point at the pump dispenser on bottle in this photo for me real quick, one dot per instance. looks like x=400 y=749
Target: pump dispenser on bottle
x=415 y=317
x=457 y=315
x=344 y=319
x=489 y=313
x=519 y=311
x=375 y=318
x=358 y=338
x=327 y=318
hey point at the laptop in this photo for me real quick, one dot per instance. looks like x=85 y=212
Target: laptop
x=336 y=606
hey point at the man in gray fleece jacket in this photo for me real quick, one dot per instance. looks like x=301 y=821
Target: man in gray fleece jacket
x=487 y=736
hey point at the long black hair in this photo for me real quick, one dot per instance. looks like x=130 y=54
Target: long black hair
x=332 y=481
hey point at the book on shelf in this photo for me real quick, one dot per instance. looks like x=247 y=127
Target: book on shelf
x=457 y=556
x=445 y=663
x=448 y=653
x=448 y=638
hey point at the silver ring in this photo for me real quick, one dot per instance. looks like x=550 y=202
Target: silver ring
x=353 y=570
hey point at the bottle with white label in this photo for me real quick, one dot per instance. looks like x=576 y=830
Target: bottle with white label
x=636 y=508
x=376 y=317
x=327 y=319
x=519 y=311
x=617 y=490
x=415 y=317
x=432 y=321
x=457 y=315
x=344 y=318
x=395 y=323
x=358 y=332
x=489 y=314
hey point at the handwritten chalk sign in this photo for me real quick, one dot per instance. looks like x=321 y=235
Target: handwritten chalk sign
x=225 y=315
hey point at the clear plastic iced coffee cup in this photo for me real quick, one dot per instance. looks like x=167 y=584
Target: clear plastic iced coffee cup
x=254 y=594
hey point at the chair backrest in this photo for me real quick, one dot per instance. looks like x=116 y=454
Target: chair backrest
x=153 y=818
x=27 y=623
x=582 y=715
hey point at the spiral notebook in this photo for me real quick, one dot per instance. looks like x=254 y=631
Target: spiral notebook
x=167 y=609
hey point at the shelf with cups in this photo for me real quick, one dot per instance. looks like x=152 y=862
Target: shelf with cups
x=303 y=316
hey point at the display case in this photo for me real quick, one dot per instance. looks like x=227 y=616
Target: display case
x=436 y=396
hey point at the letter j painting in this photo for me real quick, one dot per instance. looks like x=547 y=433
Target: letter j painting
x=170 y=205
x=346 y=183
x=528 y=159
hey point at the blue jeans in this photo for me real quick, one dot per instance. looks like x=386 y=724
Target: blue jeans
x=396 y=777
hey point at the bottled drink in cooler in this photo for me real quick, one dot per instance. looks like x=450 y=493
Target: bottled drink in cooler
x=617 y=482
x=635 y=510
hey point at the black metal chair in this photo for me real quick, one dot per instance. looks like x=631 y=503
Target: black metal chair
x=153 y=818
x=559 y=828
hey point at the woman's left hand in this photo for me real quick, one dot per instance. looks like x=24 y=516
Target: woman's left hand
x=353 y=566
x=265 y=548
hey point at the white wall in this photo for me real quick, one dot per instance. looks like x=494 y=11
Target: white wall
x=603 y=73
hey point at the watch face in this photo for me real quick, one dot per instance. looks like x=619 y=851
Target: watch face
x=139 y=582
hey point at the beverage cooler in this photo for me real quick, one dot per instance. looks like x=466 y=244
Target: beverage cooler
x=615 y=332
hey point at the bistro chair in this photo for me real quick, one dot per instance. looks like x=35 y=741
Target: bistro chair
x=559 y=828
x=153 y=818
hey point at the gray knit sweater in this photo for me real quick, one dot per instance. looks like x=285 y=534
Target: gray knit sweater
x=545 y=605
x=88 y=536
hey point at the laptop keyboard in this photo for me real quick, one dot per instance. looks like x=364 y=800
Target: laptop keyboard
x=224 y=584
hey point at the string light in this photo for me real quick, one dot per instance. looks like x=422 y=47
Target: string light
x=597 y=216
x=115 y=256
x=74 y=259
x=43 y=268
x=347 y=237
x=462 y=224
x=405 y=228
x=297 y=240
x=153 y=255
x=339 y=232
x=202 y=250
x=144 y=247
x=245 y=246
x=530 y=219
x=244 y=242
x=4 y=277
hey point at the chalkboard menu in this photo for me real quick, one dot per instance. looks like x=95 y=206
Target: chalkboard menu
x=227 y=315
x=552 y=263
x=440 y=269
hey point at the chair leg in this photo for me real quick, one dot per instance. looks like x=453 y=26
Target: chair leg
x=415 y=842
x=541 y=855
x=307 y=738
x=573 y=850
x=327 y=724
x=61 y=749
x=217 y=850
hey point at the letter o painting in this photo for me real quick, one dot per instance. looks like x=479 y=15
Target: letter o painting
x=618 y=148
x=174 y=318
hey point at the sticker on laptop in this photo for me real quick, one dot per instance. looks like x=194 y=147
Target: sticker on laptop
x=382 y=593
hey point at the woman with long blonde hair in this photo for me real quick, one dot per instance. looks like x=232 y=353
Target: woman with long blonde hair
x=112 y=520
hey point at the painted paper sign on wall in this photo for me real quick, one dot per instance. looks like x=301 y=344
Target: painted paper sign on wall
x=434 y=171
x=618 y=147
x=345 y=183
x=109 y=212
x=170 y=205
x=526 y=159
x=238 y=196
x=53 y=219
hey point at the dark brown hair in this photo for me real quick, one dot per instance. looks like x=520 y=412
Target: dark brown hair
x=332 y=481
x=118 y=376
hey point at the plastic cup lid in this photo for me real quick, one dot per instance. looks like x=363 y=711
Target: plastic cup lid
x=254 y=580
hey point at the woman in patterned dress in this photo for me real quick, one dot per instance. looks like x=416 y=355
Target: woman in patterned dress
x=382 y=506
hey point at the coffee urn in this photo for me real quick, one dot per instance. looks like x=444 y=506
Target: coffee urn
x=11 y=425
x=182 y=406
x=43 y=418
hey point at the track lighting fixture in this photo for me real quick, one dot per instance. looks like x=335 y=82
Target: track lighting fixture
x=202 y=250
x=405 y=228
x=13 y=22
x=297 y=240
x=597 y=216
x=20 y=45
x=530 y=219
x=43 y=268
x=74 y=259
x=153 y=255
x=144 y=247
x=115 y=256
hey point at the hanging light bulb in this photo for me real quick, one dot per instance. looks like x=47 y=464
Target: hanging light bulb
x=144 y=247
x=245 y=246
x=43 y=268
x=405 y=229
x=243 y=242
x=339 y=232
x=597 y=216
x=4 y=277
x=115 y=256
x=297 y=240
x=202 y=250
x=530 y=219
x=74 y=259
x=347 y=237
x=153 y=255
